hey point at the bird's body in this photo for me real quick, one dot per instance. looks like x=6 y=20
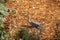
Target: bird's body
x=35 y=24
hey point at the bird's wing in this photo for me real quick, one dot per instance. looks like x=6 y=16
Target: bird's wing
x=36 y=23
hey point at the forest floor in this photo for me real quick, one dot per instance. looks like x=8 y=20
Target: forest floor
x=46 y=12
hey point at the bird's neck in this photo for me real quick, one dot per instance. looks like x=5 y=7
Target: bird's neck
x=29 y=20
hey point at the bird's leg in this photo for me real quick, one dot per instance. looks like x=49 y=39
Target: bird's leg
x=41 y=29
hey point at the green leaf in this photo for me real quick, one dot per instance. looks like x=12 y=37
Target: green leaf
x=2 y=19
x=2 y=7
x=2 y=1
x=4 y=13
x=12 y=10
x=3 y=10
x=24 y=34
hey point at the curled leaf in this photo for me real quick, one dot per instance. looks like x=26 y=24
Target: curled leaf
x=12 y=10
x=4 y=13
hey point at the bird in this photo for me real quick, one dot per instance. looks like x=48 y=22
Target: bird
x=33 y=24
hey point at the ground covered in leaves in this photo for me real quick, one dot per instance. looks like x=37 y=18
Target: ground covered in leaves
x=46 y=12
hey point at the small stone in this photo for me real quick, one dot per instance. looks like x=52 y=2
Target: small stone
x=33 y=7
